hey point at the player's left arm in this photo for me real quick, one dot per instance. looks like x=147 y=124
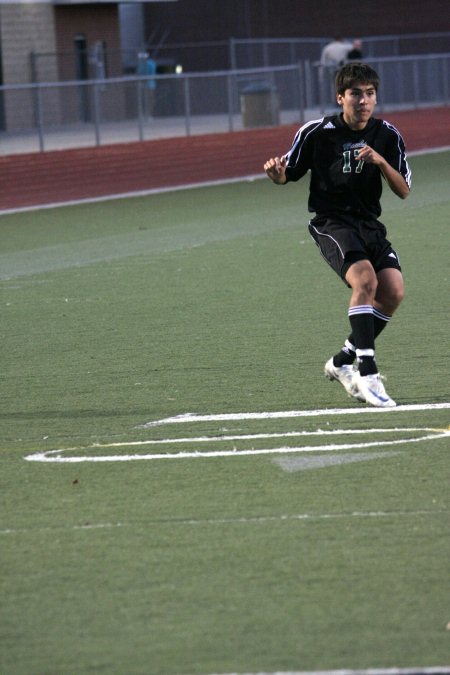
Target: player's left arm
x=394 y=178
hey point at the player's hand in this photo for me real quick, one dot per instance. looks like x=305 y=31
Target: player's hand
x=368 y=154
x=275 y=168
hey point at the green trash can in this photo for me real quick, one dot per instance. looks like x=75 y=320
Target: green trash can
x=260 y=106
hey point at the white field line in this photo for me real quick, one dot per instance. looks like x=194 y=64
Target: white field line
x=288 y=414
x=138 y=193
x=55 y=455
x=176 y=188
x=432 y=670
x=244 y=520
x=88 y=526
x=247 y=437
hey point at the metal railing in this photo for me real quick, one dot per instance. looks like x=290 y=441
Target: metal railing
x=102 y=111
x=265 y=52
x=231 y=54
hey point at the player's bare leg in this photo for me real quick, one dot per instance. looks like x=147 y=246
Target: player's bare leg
x=390 y=290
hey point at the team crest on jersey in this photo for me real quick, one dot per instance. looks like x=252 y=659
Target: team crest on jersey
x=354 y=146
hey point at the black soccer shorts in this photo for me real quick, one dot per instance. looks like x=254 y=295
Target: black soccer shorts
x=344 y=240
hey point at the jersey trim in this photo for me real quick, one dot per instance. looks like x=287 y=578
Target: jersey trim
x=403 y=166
x=300 y=138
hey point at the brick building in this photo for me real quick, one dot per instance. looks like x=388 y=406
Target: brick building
x=59 y=40
x=199 y=20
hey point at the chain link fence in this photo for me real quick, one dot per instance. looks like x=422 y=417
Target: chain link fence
x=102 y=111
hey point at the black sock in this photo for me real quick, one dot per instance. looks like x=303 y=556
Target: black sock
x=347 y=355
x=367 y=365
x=380 y=321
x=361 y=321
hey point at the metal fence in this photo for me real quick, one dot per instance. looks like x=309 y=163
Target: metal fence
x=232 y=54
x=101 y=111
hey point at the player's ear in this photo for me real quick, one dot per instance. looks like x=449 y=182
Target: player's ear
x=339 y=99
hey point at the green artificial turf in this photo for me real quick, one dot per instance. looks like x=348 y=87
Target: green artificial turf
x=211 y=301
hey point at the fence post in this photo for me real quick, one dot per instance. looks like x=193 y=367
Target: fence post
x=33 y=67
x=187 y=105
x=292 y=52
x=232 y=50
x=230 y=101
x=445 y=78
x=140 y=106
x=96 y=114
x=39 y=119
x=266 y=61
x=416 y=83
x=301 y=98
x=380 y=70
x=308 y=84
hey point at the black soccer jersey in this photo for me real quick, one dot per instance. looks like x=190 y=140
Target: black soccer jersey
x=340 y=183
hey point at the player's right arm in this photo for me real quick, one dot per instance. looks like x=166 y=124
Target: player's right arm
x=295 y=163
x=275 y=168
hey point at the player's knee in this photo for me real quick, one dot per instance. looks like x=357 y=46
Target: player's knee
x=397 y=296
x=363 y=280
x=389 y=301
x=367 y=285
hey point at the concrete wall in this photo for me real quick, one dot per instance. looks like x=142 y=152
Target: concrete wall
x=25 y=28
x=49 y=31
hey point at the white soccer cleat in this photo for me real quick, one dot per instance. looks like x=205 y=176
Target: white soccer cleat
x=371 y=390
x=345 y=375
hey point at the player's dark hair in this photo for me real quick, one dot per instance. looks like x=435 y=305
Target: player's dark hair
x=353 y=73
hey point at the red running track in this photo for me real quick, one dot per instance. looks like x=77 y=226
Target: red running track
x=59 y=176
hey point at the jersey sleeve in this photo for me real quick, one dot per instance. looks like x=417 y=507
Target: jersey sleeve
x=396 y=153
x=298 y=159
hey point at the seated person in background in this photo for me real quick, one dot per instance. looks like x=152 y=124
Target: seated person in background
x=335 y=53
x=355 y=53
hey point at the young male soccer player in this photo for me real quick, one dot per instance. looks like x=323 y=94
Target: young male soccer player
x=348 y=155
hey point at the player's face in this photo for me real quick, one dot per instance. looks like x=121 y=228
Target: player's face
x=358 y=104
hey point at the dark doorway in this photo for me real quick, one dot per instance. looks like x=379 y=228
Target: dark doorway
x=82 y=73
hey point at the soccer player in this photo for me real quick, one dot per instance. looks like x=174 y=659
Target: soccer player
x=348 y=156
